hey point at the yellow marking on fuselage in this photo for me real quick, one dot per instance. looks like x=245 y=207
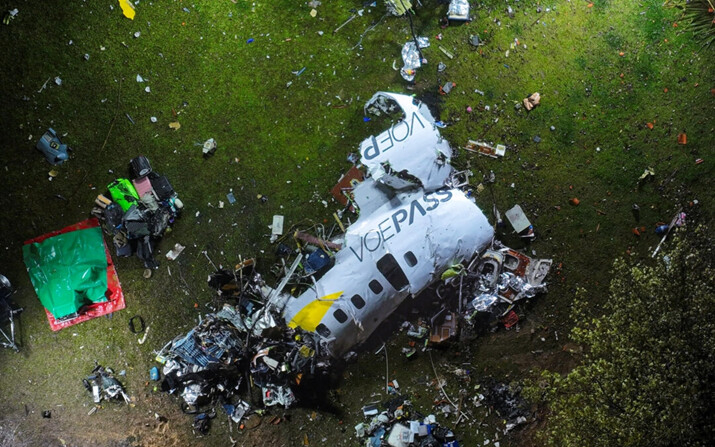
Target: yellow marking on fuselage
x=310 y=316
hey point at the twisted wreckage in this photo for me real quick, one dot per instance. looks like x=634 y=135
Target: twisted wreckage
x=417 y=225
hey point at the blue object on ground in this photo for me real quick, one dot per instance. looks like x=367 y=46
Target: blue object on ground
x=317 y=261
x=661 y=230
x=50 y=145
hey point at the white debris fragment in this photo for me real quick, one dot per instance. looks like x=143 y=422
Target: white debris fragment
x=147 y=89
x=153 y=119
x=139 y=78
x=58 y=80
x=175 y=252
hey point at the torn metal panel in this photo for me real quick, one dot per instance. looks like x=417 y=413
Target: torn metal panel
x=458 y=10
x=461 y=178
x=504 y=275
x=278 y=395
x=412 y=57
x=398 y=250
x=518 y=219
x=398 y=7
x=411 y=153
x=533 y=271
x=343 y=190
x=483 y=302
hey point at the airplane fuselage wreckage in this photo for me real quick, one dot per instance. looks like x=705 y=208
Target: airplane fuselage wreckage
x=412 y=227
x=415 y=226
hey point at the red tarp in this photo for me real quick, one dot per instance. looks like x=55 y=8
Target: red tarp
x=114 y=293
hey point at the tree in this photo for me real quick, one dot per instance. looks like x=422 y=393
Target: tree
x=648 y=374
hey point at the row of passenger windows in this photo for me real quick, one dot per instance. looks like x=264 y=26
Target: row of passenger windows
x=392 y=272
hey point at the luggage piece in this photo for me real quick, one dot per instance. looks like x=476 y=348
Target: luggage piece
x=123 y=192
x=136 y=223
x=121 y=245
x=143 y=186
x=113 y=214
x=140 y=167
x=162 y=187
x=159 y=221
x=150 y=202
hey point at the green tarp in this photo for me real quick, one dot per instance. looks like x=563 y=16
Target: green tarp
x=68 y=270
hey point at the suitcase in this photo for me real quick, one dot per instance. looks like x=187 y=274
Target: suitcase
x=123 y=192
x=143 y=186
x=139 y=167
x=162 y=187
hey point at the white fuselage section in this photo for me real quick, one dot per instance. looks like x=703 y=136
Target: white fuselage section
x=397 y=250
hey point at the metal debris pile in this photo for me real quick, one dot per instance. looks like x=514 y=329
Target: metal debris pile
x=418 y=229
x=104 y=386
x=208 y=365
x=500 y=278
x=506 y=401
x=400 y=425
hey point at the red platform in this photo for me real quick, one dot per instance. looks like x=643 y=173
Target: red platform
x=114 y=293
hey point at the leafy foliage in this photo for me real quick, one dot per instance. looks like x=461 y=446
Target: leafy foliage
x=647 y=376
x=699 y=15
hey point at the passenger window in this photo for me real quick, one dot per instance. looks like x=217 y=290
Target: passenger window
x=375 y=286
x=323 y=330
x=340 y=316
x=357 y=301
x=410 y=259
x=391 y=270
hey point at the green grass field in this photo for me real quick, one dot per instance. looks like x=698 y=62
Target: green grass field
x=604 y=70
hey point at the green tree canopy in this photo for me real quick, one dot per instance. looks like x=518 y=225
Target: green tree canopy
x=648 y=370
